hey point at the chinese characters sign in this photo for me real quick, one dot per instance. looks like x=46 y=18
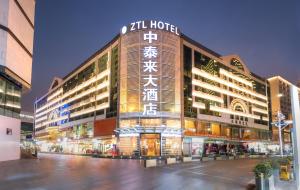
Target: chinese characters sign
x=150 y=77
x=150 y=83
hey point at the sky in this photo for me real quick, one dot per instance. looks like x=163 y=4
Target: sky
x=264 y=33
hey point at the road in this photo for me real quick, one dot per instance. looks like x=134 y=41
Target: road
x=64 y=172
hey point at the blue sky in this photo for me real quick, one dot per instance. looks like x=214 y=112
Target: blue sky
x=265 y=34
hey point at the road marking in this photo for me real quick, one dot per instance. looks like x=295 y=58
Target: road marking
x=195 y=167
x=170 y=168
x=252 y=181
x=247 y=166
x=21 y=176
x=215 y=176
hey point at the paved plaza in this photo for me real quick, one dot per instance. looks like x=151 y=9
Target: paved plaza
x=61 y=172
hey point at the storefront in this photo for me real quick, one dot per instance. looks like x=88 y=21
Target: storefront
x=105 y=146
x=152 y=144
x=193 y=146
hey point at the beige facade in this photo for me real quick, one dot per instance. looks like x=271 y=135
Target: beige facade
x=150 y=92
x=280 y=99
x=16 y=49
x=17 y=31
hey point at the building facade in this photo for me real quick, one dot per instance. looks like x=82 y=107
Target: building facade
x=16 y=47
x=153 y=91
x=280 y=100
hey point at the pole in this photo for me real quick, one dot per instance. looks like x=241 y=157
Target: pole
x=280 y=134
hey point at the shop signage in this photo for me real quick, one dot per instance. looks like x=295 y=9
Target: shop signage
x=53 y=114
x=150 y=77
x=150 y=24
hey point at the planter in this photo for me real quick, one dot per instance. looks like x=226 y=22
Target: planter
x=254 y=156
x=187 y=159
x=150 y=163
x=231 y=157
x=204 y=159
x=265 y=184
x=171 y=160
x=242 y=156
x=220 y=158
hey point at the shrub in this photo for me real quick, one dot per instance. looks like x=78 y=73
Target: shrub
x=264 y=168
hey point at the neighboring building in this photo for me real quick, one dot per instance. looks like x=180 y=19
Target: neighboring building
x=152 y=91
x=26 y=125
x=280 y=99
x=298 y=83
x=16 y=46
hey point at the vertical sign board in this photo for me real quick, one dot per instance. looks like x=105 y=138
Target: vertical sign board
x=296 y=131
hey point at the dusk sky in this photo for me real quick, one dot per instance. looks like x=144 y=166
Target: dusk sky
x=265 y=34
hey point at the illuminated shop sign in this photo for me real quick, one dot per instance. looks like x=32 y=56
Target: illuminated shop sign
x=150 y=24
x=150 y=87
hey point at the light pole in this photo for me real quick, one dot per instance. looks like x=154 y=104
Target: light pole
x=281 y=124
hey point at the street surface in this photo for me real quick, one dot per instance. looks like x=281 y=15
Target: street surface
x=67 y=172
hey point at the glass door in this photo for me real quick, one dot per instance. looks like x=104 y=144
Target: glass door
x=150 y=144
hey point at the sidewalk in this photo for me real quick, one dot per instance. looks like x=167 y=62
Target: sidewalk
x=279 y=185
x=283 y=185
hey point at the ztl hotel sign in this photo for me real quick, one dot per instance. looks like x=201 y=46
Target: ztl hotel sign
x=150 y=24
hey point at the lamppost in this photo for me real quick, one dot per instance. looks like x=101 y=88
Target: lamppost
x=281 y=123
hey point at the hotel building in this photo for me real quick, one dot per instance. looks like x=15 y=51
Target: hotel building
x=153 y=91
x=16 y=46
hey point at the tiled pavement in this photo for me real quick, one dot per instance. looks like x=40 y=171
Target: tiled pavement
x=62 y=172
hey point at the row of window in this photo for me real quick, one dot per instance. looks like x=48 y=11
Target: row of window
x=211 y=66
x=87 y=101
x=10 y=98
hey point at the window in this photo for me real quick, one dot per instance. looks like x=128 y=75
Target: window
x=189 y=111
x=102 y=63
x=10 y=98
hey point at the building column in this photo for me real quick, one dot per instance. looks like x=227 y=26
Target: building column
x=296 y=131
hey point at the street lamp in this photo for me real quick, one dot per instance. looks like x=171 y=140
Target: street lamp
x=281 y=124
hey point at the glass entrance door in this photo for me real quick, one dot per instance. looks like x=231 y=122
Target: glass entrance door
x=150 y=144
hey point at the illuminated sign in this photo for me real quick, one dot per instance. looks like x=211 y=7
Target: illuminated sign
x=150 y=24
x=149 y=70
x=53 y=114
x=65 y=110
x=150 y=75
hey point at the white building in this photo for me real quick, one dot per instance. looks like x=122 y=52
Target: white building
x=16 y=47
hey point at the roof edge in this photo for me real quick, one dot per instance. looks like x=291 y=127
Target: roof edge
x=190 y=40
x=92 y=56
